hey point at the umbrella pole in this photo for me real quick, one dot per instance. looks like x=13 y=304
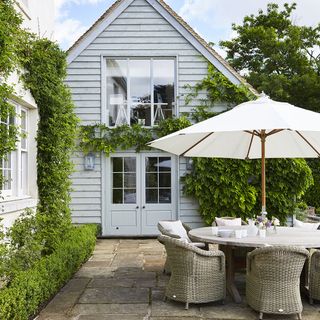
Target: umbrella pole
x=263 y=171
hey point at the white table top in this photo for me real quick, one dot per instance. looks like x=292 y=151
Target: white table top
x=284 y=236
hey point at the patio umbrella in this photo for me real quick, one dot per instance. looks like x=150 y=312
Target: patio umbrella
x=262 y=128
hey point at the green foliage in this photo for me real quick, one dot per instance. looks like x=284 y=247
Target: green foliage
x=278 y=57
x=29 y=289
x=45 y=67
x=221 y=187
x=312 y=196
x=220 y=89
x=171 y=125
x=11 y=38
x=100 y=138
x=25 y=249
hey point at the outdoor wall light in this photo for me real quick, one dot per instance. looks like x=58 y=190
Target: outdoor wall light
x=89 y=161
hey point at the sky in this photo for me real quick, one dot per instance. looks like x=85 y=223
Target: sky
x=211 y=19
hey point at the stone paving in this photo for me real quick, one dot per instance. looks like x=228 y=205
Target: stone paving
x=124 y=280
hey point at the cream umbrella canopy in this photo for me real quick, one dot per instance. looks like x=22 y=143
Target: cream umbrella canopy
x=262 y=128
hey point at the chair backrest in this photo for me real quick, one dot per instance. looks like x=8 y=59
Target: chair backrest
x=227 y=221
x=174 y=229
x=281 y=263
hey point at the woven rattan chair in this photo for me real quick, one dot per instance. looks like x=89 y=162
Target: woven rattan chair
x=165 y=232
x=197 y=276
x=314 y=276
x=273 y=279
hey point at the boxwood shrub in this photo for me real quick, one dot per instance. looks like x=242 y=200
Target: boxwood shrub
x=31 y=288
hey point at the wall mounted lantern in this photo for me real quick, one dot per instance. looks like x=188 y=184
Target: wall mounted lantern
x=89 y=161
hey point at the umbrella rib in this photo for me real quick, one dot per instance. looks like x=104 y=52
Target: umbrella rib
x=198 y=142
x=273 y=132
x=249 y=149
x=313 y=148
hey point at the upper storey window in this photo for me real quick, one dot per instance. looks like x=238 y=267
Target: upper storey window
x=140 y=91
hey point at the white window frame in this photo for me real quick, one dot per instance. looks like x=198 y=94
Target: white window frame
x=16 y=189
x=128 y=105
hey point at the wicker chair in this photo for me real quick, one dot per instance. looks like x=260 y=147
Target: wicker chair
x=197 y=276
x=165 y=232
x=273 y=279
x=314 y=276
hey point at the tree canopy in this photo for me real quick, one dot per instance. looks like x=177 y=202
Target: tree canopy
x=278 y=57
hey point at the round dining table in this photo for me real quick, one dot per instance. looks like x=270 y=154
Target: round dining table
x=281 y=236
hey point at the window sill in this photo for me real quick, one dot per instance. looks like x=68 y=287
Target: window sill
x=13 y=204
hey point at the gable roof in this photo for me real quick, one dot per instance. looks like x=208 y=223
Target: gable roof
x=175 y=20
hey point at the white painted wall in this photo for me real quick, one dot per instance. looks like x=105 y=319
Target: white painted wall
x=38 y=18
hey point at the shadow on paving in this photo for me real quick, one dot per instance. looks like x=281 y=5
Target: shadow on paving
x=124 y=280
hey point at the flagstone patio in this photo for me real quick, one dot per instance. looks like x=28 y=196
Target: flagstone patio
x=124 y=280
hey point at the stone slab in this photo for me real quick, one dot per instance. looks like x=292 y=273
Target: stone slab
x=95 y=272
x=93 y=309
x=76 y=285
x=115 y=295
x=173 y=309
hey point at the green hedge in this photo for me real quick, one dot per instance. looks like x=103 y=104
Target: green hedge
x=29 y=289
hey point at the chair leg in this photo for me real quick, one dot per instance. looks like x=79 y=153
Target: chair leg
x=310 y=300
x=299 y=316
x=260 y=315
x=187 y=306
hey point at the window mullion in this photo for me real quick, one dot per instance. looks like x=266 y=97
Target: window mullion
x=151 y=92
x=128 y=91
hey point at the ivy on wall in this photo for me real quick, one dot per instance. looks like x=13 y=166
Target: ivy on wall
x=45 y=66
x=11 y=36
x=101 y=138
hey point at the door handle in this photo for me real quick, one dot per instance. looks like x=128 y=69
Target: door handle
x=137 y=207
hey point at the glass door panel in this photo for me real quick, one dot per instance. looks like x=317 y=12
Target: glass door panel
x=124 y=180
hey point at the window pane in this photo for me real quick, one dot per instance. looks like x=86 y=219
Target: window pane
x=164 y=164
x=151 y=164
x=129 y=180
x=23 y=130
x=130 y=196
x=163 y=88
x=117 y=164
x=152 y=195
x=24 y=172
x=117 y=180
x=117 y=195
x=151 y=180
x=140 y=91
x=117 y=91
x=165 y=180
x=129 y=164
x=165 y=196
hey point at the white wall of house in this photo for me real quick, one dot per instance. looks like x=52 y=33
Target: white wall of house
x=21 y=190
x=139 y=31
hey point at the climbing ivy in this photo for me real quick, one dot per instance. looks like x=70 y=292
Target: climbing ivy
x=11 y=38
x=45 y=66
x=101 y=138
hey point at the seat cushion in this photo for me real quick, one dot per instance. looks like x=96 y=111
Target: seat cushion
x=221 y=222
x=176 y=228
x=307 y=225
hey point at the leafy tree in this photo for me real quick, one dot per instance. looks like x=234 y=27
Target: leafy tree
x=283 y=60
x=277 y=56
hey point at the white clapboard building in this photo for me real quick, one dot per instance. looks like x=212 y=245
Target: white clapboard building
x=133 y=66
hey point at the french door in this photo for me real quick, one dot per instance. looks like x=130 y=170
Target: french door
x=142 y=191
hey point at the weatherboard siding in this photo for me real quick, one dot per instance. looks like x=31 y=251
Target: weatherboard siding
x=138 y=31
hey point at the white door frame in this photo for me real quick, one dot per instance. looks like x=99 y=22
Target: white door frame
x=106 y=185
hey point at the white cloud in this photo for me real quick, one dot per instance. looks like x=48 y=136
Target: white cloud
x=68 y=29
